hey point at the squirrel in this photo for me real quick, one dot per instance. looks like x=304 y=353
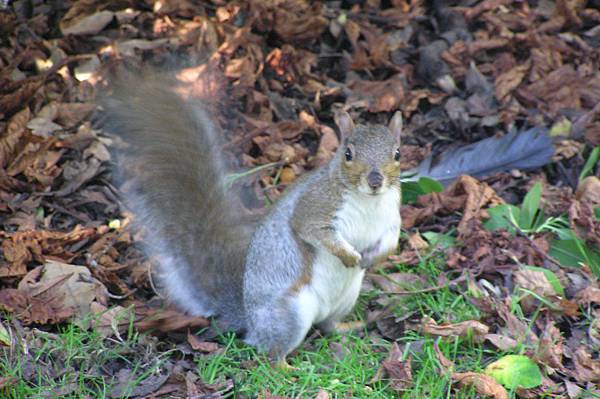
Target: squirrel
x=301 y=266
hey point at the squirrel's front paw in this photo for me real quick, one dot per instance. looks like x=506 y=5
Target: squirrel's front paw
x=350 y=257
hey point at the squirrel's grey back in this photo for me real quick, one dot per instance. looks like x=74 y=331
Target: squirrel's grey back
x=175 y=184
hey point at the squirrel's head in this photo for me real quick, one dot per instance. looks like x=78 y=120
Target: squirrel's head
x=370 y=154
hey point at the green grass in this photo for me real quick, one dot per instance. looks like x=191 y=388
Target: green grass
x=75 y=363
x=343 y=365
x=320 y=366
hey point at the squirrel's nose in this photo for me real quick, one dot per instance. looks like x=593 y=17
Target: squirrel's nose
x=374 y=179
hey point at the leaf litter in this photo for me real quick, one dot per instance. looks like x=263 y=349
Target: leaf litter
x=459 y=72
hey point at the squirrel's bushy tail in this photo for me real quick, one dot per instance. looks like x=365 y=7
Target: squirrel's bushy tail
x=175 y=184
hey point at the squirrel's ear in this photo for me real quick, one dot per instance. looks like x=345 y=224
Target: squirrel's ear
x=395 y=125
x=344 y=122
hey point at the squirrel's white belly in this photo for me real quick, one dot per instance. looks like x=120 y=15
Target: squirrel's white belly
x=372 y=226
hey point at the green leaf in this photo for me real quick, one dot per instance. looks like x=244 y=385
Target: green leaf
x=500 y=217
x=410 y=191
x=551 y=277
x=429 y=185
x=515 y=371
x=114 y=224
x=530 y=207
x=590 y=163
x=5 y=338
x=567 y=252
x=443 y=241
x=597 y=213
x=572 y=252
x=560 y=128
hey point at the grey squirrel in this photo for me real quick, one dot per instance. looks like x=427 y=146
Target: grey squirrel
x=304 y=262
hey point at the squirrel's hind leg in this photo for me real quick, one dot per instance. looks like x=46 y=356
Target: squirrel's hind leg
x=277 y=329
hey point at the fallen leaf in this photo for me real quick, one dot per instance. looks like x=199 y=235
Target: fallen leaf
x=417 y=242
x=73 y=284
x=539 y=280
x=588 y=190
x=111 y=322
x=483 y=384
x=28 y=309
x=299 y=20
x=141 y=387
x=322 y=394
x=165 y=320
x=397 y=370
x=573 y=390
x=588 y=295
x=510 y=80
x=201 y=346
x=469 y=328
x=502 y=342
x=377 y=96
x=586 y=368
x=5 y=336
x=515 y=371
x=550 y=348
x=90 y=24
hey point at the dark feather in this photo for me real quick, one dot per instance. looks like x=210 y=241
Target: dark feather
x=526 y=150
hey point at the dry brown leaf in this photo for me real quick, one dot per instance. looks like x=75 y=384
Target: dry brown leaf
x=398 y=371
x=550 y=348
x=514 y=327
x=201 y=346
x=74 y=284
x=87 y=17
x=9 y=103
x=76 y=174
x=447 y=366
x=467 y=328
x=502 y=342
x=586 y=368
x=466 y=194
x=510 y=80
x=588 y=296
x=111 y=322
x=298 y=20
x=573 y=390
x=483 y=384
x=479 y=195
x=536 y=281
x=417 y=242
x=322 y=394
x=48 y=309
x=24 y=246
x=165 y=320
x=561 y=88
x=588 y=190
x=565 y=149
x=377 y=96
x=327 y=145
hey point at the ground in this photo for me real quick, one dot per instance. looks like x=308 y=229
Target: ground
x=494 y=290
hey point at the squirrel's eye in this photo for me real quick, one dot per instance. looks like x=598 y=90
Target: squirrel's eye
x=348 y=154
x=397 y=155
